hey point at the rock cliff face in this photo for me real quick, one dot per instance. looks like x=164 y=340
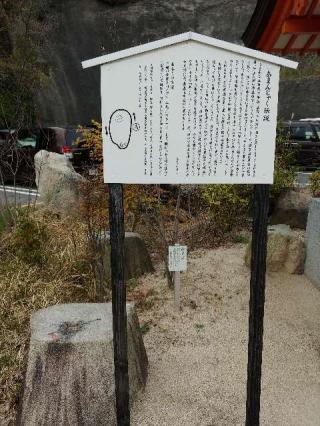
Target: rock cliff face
x=300 y=97
x=84 y=29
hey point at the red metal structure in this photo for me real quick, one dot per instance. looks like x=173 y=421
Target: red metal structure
x=284 y=26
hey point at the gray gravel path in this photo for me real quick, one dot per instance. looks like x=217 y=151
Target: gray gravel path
x=198 y=358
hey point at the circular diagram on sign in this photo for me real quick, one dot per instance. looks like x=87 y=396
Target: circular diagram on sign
x=120 y=128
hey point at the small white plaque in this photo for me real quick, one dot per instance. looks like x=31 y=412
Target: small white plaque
x=177 y=258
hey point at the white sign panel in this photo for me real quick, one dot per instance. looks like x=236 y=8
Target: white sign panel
x=189 y=109
x=189 y=113
x=177 y=258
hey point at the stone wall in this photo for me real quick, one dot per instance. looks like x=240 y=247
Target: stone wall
x=300 y=97
x=84 y=29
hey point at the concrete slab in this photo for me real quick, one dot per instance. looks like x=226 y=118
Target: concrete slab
x=312 y=266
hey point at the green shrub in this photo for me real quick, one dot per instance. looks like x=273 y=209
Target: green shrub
x=315 y=183
x=28 y=238
x=229 y=204
x=145 y=328
x=5 y=220
x=284 y=167
x=283 y=180
x=242 y=237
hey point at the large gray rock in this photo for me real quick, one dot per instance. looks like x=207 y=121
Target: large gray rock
x=285 y=250
x=57 y=182
x=70 y=373
x=294 y=263
x=137 y=260
x=292 y=208
x=312 y=267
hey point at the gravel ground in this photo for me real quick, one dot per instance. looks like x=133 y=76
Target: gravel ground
x=198 y=358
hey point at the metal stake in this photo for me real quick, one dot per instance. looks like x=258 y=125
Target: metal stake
x=177 y=290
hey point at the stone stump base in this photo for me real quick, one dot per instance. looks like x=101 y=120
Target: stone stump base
x=70 y=373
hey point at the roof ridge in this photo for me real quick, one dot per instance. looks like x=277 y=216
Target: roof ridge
x=179 y=38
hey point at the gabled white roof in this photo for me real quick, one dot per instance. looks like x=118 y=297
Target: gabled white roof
x=169 y=41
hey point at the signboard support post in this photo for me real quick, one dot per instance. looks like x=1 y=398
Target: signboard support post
x=177 y=290
x=257 y=299
x=119 y=314
x=176 y=277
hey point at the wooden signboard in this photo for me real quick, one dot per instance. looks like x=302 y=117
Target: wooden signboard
x=189 y=109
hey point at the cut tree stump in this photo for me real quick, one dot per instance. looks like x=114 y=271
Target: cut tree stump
x=70 y=373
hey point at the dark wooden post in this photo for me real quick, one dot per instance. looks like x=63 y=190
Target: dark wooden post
x=257 y=298
x=119 y=312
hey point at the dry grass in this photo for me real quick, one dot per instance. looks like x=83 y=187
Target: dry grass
x=65 y=276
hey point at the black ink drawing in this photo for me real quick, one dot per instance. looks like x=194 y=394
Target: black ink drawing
x=135 y=126
x=120 y=128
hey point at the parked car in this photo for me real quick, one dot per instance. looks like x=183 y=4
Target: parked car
x=74 y=147
x=18 y=148
x=316 y=119
x=304 y=138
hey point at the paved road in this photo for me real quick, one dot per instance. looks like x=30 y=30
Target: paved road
x=18 y=195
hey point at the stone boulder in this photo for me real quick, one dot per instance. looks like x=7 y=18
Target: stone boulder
x=285 y=250
x=137 y=260
x=292 y=208
x=312 y=269
x=57 y=182
x=70 y=373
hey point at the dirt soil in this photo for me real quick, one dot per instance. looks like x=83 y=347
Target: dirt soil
x=198 y=358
